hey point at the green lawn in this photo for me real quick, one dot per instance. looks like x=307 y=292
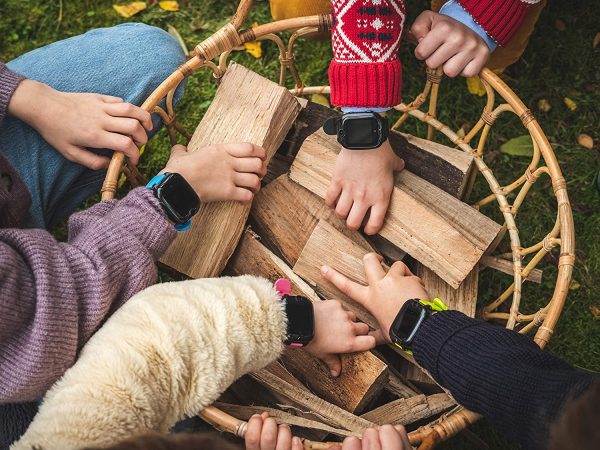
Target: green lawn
x=557 y=64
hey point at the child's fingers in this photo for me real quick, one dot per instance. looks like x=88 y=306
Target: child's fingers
x=353 y=290
x=390 y=439
x=128 y=127
x=373 y=268
x=474 y=67
x=333 y=193
x=403 y=436
x=380 y=337
x=357 y=214
x=247 y=180
x=363 y=343
x=86 y=158
x=371 y=440
x=334 y=363
x=429 y=45
x=456 y=64
x=250 y=165
x=239 y=194
x=284 y=438
x=440 y=56
x=351 y=316
x=253 y=433
x=297 y=443
x=360 y=328
x=344 y=205
x=245 y=150
x=132 y=111
x=399 y=268
x=268 y=436
x=120 y=143
x=352 y=443
x=376 y=218
x=110 y=98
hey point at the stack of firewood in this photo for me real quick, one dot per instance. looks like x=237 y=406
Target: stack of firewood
x=289 y=232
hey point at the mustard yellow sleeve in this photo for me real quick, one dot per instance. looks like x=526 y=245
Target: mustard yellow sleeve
x=287 y=9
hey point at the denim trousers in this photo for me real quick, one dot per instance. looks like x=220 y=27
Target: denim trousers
x=127 y=61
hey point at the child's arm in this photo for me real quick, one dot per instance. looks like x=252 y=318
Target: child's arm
x=170 y=352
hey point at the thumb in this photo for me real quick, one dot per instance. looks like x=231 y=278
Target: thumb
x=178 y=150
x=422 y=25
x=334 y=363
x=399 y=165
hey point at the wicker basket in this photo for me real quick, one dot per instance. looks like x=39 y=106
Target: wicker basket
x=543 y=163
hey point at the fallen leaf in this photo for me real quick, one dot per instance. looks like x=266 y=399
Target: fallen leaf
x=169 y=6
x=560 y=25
x=129 y=9
x=519 y=146
x=574 y=285
x=570 y=104
x=173 y=32
x=596 y=40
x=585 y=140
x=595 y=311
x=544 y=105
x=320 y=99
x=475 y=86
x=254 y=48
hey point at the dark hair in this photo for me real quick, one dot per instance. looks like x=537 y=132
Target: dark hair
x=577 y=428
x=180 y=441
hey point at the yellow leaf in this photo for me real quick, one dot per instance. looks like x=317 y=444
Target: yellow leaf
x=320 y=99
x=585 y=140
x=595 y=311
x=169 y=6
x=570 y=104
x=544 y=105
x=574 y=285
x=475 y=86
x=254 y=48
x=129 y=9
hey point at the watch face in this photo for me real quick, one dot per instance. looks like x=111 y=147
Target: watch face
x=407 y=322
x=361 y=132
x=179 y=197
x=300 y=316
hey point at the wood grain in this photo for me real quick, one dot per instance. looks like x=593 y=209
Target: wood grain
x=363 y=374
x=435 y=228
x=246 y=108
x=506 y=266
x=409 y=410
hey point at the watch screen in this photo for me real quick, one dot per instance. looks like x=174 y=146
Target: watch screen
x=300 y=317
x=361 y=132
x=179 y=195
x=409 y=319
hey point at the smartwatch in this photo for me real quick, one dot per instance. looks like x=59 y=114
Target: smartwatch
x=409 y=320
x=300 y=320
x=178 y=199
x=359 y=130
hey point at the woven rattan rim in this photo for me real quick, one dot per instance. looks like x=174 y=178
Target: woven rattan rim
x=220 y=44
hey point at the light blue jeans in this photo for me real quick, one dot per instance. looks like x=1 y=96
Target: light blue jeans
x=127 y=61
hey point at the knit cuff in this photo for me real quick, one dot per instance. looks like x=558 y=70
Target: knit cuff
x=9 y=81
x=433 y=335
x=499 y=18
x=373 y=85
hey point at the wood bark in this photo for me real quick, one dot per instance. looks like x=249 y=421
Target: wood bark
x=363 y=374
x=435 y=228
x=246 y=108
x=405 y=411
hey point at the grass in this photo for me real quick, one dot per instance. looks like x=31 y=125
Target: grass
x=557 y=64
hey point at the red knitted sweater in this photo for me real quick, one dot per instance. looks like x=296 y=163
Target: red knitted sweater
x=366 y=72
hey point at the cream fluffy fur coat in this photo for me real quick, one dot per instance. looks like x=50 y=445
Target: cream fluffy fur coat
x=168 y=353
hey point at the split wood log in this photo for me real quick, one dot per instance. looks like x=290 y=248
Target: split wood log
x=245 y=412
x=363 y=374
x=405 y=411
x=438 y=230
x=506 y=266
x=331 y=413
x=397 y=387
x=444 y=167
x=327 y=246
x=246 y=108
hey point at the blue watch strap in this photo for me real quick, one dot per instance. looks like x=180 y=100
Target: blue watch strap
x=155 y=181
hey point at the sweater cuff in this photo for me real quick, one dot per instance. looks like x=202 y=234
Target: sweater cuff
x=149 y=224
x=499 y=18
x=433 y=335
x=369 y=85
x=9 y=81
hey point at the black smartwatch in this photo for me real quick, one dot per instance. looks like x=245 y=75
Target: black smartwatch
x=178 y=199
x=408 y=321
x=359 y=131
x=300 y=320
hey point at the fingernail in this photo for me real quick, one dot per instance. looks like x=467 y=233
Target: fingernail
x=334 y=373
x=324 y=270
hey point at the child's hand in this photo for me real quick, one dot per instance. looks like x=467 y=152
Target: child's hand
x=220 y=172
x=336 y=331
x=445 y=41
x=386 y=437
x=72 y=122
x=363 y=180
x=385 y=294
x=263 y=433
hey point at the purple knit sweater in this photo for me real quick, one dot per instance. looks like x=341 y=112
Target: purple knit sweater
x=54 y=295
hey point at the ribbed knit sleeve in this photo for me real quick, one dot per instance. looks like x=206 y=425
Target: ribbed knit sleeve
x=55 y=295
x=365 y=71
x=499 y=18
x=500 y=374
x=8 y=83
